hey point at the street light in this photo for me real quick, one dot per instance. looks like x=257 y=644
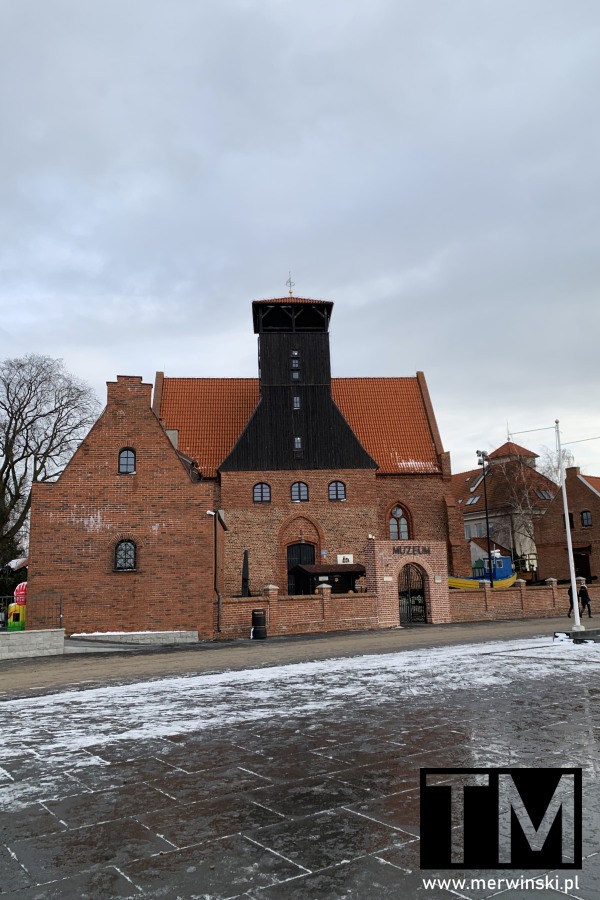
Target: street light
x=482 y=459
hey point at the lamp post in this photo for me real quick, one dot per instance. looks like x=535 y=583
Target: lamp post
x=482 y=459
x=563 y=486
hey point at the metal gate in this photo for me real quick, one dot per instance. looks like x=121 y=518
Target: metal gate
x=411 y=595
x=298 y=555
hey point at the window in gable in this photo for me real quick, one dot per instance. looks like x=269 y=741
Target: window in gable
x=125 y=556
x=126 y=461
x=586 y=518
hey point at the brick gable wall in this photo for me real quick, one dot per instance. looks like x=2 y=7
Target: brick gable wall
x=550 y=536
x=77 y=521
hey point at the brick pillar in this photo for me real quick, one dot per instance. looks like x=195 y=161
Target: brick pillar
x=324 y=591
x=270 y=594
x=486 y=588
x=552 y=583
x=520 y=583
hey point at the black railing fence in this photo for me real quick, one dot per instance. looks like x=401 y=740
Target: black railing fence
x=41 y=612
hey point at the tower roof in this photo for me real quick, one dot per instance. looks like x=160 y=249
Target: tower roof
x=512 y=449
x=285 y=314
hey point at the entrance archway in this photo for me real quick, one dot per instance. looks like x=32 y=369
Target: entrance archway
x=411 y=595
x=299 y=555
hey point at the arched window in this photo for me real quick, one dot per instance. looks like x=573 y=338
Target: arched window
x=299 y=491
x=125 y=556
x=398 y=525
x=586 y=518
x=126 y=461
x=337 y=490
x=261 y=493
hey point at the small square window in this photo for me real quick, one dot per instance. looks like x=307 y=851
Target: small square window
x=295 y=363
x=296 y=375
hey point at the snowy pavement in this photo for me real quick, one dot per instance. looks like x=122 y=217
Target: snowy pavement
x=295 y=781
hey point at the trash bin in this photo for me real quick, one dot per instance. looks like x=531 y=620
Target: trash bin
x=259 y=625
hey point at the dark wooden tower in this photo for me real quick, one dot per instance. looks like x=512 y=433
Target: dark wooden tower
x=296 y=424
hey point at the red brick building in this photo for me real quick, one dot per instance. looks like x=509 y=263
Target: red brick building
x=583 y=496
x=175 y=507
x=517 y=498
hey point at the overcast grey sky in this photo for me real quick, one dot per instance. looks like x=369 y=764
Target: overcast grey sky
x=431 y=166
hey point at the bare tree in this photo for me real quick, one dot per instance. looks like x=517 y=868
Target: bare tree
x=520 y=495
x=548 y=463
x=44 y=414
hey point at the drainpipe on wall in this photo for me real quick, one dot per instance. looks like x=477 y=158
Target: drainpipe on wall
x=217 y=517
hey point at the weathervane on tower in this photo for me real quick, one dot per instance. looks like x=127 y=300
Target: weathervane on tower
x=290 y=284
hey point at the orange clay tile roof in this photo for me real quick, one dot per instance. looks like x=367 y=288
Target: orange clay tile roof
x=388 y=416
x=511 y=449
x=593 y=481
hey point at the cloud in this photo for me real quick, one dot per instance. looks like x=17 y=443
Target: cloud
x=430 y=168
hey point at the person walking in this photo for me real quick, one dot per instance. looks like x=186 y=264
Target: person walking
x=584 y=599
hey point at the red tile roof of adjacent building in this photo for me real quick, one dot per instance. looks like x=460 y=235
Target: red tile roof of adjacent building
x=511 y=449
x=593 y=481
x=388 y=415
x=507 y=484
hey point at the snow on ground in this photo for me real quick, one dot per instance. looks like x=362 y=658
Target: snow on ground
x=73 y=720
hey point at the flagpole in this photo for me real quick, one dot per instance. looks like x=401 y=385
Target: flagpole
x=563 y=482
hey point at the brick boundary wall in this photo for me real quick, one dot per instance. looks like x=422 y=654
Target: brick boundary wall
x=307 y=614
x=520 y=602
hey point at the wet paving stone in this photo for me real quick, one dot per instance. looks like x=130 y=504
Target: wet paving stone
x=12 y=874
x=197 y=755
x=124 y=750
x=194 y=823
x=30 y=821
x=367 y=877
x=330 y=838
x=105 y=884
x=131 y=771
x=390 y=777
x=198 y=786
x=219 y=870
x=290 y=765
x=303 y=798
x=17 y=795
x=398 y=810
x=57 y=856
x=105 y=806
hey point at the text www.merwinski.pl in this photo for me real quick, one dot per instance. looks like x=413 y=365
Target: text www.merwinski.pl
x=545 y=883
